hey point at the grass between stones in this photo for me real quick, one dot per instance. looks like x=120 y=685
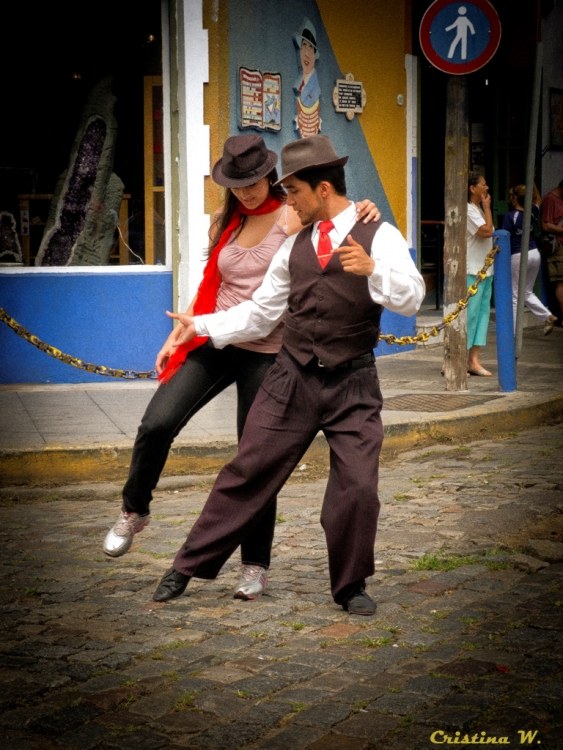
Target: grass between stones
x=185 y=701
x=444 y=561
x=384 y=640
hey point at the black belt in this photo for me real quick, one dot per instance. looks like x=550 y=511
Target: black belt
x=352 y=364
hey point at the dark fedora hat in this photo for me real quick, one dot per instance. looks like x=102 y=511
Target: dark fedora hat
x=245 y=160
x=313 y=152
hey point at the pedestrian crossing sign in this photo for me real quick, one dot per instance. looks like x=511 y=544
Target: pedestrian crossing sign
x=460 y=37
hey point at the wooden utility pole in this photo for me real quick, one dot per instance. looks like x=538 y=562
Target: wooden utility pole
x=455 y=244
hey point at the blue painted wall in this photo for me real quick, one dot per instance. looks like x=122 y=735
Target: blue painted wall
x=261 y=37
x=110 y=319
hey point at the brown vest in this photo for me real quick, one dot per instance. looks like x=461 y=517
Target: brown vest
x=330 y=312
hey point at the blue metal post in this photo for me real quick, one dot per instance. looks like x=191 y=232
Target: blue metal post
x=503 y=309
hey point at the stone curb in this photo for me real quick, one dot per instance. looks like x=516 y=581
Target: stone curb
x=58 y=466
x=480 y=423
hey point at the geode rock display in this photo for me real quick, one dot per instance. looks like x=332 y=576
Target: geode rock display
x=10 y=248
x=81 y=223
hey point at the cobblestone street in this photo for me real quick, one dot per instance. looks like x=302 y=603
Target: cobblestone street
x=466 y=644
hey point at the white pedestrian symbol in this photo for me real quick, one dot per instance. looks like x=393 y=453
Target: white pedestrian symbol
x=462 y=24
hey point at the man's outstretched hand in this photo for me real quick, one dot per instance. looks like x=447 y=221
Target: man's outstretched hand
x=187 y=332
x=180 y=335
x=354 y=258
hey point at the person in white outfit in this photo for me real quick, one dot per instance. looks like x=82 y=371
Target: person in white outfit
x=513 y=222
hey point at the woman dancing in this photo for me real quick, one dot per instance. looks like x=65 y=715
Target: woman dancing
x=252 y=226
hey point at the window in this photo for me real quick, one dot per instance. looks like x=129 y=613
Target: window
x=83 y=174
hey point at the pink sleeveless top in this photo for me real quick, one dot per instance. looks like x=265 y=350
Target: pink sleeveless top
x=242 y=270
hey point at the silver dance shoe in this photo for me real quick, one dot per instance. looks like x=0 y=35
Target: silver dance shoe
x=120 y=538
x=252 y=584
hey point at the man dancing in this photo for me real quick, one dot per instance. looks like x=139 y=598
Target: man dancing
x=331 y=281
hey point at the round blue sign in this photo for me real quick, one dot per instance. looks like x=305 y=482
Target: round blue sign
x=460 y=37
x=460 y=32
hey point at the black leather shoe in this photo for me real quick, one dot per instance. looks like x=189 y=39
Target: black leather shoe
x=172 y=584
x=359 y=603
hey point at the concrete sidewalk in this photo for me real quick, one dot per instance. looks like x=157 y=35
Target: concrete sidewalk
x=56 y=434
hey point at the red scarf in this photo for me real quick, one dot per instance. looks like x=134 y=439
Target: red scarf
x=206 y=299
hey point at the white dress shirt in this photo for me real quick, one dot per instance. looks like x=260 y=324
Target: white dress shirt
x=395 y=283
x=477 y=247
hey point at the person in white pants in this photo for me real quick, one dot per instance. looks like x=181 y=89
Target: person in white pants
x=513 y=224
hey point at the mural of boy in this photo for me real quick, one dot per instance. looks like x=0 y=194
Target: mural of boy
x=306 y=87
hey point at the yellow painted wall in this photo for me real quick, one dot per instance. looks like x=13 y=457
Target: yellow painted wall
x=368 y=39
x=216 y=92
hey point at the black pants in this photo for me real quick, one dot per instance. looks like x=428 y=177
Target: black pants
x=206 y=372
x=293 y=403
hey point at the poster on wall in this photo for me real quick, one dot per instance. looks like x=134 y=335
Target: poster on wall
x=349 y=96
x=260 y=99
x=307 y=88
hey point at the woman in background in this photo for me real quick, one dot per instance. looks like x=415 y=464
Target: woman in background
x=479 y=242
x=512 y=222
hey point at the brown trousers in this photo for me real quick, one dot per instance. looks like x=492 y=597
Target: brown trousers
x=292 y=405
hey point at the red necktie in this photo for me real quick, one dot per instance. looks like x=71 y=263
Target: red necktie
x=324 y=248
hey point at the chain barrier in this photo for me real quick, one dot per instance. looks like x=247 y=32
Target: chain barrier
x=133 y=375
x=461 y=305
x=67 y=359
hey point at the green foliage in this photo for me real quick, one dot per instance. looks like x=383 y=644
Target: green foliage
x=384 y=640
x=155 y=555
x=186 y=700
x=172 y=675
x=99 y=672
x=126 y=702
x=442 y=561
x=390 y=628
x=406 y=720
x=441 y=614
x=470 y=620
x=359 y=706
x=294 y=625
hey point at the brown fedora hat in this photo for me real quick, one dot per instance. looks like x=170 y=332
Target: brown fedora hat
x=245 y=160
x=309 y=153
